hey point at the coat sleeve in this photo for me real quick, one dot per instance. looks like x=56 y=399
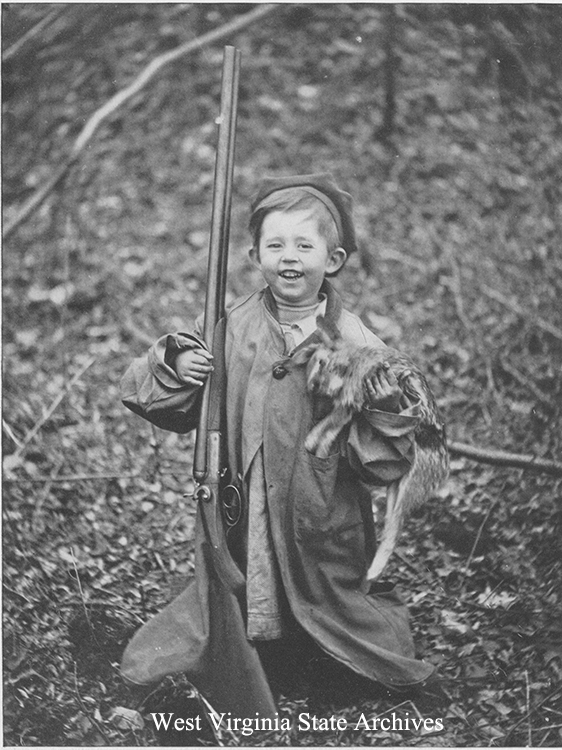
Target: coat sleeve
x=151 y=389
x=380 y=446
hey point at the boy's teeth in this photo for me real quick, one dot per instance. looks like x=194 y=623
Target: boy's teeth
x=290 y=274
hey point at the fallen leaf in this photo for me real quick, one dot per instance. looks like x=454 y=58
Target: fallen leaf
x=496 y=599
x=127 y=718
x=452 y=622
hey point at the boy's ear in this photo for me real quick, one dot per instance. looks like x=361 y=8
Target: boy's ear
x=336 y=260
x=254 y=256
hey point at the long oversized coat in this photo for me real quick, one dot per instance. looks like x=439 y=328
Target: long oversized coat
x=319 y=511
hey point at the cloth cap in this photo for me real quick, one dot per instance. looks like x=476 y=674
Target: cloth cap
x=322 y=186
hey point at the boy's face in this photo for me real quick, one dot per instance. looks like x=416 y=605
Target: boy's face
x=293 y=257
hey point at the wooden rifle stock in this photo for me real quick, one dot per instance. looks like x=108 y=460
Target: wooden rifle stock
x=209 y=466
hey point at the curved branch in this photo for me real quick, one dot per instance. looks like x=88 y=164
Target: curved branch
x=501 y=458
x=123 y=96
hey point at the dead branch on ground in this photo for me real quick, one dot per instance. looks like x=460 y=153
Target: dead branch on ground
x=501 y=458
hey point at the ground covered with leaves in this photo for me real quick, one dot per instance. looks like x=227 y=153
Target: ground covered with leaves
x=455 y=163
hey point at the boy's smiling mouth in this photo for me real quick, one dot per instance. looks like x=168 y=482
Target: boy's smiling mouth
x=290 y=274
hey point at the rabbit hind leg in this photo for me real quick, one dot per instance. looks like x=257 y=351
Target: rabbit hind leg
x=321 y=438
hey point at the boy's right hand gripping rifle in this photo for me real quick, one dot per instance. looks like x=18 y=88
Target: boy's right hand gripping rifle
x=220 y=505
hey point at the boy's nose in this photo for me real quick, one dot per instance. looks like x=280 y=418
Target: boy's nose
x=290 y=253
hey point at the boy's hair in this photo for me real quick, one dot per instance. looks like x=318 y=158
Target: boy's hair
x=295 y=199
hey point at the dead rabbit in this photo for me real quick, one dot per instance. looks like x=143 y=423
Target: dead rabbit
x=338 y=370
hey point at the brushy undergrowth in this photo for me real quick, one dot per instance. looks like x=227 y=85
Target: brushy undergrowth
x=459 y=217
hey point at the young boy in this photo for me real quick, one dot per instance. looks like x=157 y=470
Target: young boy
x=307 y=536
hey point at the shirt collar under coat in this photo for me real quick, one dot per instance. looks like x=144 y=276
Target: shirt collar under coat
x=333 y=309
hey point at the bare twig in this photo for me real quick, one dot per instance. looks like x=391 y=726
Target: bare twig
x=221 y=734
x=481 y=607
x=36 y=526
x=116 y=101
x=137 y=333
x=546 y=736
x=81 y=590
x=391 y=66
x=84 y=607
x=67 y=242
x=521 y=312
x=85 y=710
x=390 y=254
x=10 y=433
x=39 y=196
x=406 y=562
x=24 y=598
x=89 y=477
x=490 y=375
x=544 y=729
x=14 y=48
x=475 y=545
x=71 y=478
x=526 y=382
x=456 y=288
x=501 y=458
x=115 y=608
x=507 y=46
x=527 y=706
x=531 y=711
x=52 y=408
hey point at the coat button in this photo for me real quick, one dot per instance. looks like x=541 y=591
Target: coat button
x=279 y=372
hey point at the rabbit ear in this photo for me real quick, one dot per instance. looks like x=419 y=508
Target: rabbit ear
x=302 y=355
x=328 y=331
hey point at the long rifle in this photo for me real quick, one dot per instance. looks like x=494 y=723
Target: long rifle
x=209 y=466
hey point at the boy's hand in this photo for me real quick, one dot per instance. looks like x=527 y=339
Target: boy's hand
x=193 y=366
x=382 y=390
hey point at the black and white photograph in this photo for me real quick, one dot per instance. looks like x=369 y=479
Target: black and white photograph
x=281 y=374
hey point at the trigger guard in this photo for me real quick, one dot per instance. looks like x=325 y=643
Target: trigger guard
x=231 y=505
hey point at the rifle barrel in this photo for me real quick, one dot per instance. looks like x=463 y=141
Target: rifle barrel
x=220 y=230
x=229 y=177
